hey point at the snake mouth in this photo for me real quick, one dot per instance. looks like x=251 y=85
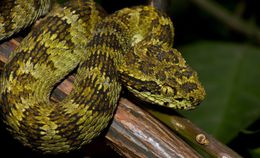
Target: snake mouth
x=179 y=104
x=169 y=102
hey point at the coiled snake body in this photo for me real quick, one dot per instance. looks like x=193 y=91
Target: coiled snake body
x=131 y=47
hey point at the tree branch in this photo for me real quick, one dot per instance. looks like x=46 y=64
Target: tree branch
x=237 y=24
x=190 y=132
x=135 y=133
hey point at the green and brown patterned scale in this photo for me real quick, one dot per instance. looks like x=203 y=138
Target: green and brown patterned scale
x=18 y=14
x=131 y=47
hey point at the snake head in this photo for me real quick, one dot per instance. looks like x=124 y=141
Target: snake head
x=161 y=76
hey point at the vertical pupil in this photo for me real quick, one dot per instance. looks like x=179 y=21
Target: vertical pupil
x=166 y=91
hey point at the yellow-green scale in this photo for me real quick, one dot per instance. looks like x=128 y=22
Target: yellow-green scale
x=17 y=14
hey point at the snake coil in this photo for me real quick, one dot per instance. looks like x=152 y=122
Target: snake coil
x=131 y=47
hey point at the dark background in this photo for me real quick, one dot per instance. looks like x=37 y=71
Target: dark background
x=202 y=36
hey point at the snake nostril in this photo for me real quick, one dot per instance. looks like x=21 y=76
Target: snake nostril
x=166 y=104
x=191 y=99
x=179 y=99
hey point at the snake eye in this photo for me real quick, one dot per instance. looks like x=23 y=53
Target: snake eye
x=168 y=90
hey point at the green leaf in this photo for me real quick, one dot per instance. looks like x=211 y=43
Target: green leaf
x=230 y=73
x=255 y=153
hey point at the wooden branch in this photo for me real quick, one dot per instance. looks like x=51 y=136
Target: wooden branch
x=199 y=138
x=133 y=132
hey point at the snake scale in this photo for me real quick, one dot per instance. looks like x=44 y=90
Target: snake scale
x=131 y=47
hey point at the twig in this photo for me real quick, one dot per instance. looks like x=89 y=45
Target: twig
x=234 y=22
x=159 y=4
x=195 y=135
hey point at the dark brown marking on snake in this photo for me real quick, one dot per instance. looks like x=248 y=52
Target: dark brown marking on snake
x=189 y=87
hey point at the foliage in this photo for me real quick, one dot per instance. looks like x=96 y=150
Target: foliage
x=228 y=64
x=229 y=72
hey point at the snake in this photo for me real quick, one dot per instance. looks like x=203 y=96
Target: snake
x=131 y=48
